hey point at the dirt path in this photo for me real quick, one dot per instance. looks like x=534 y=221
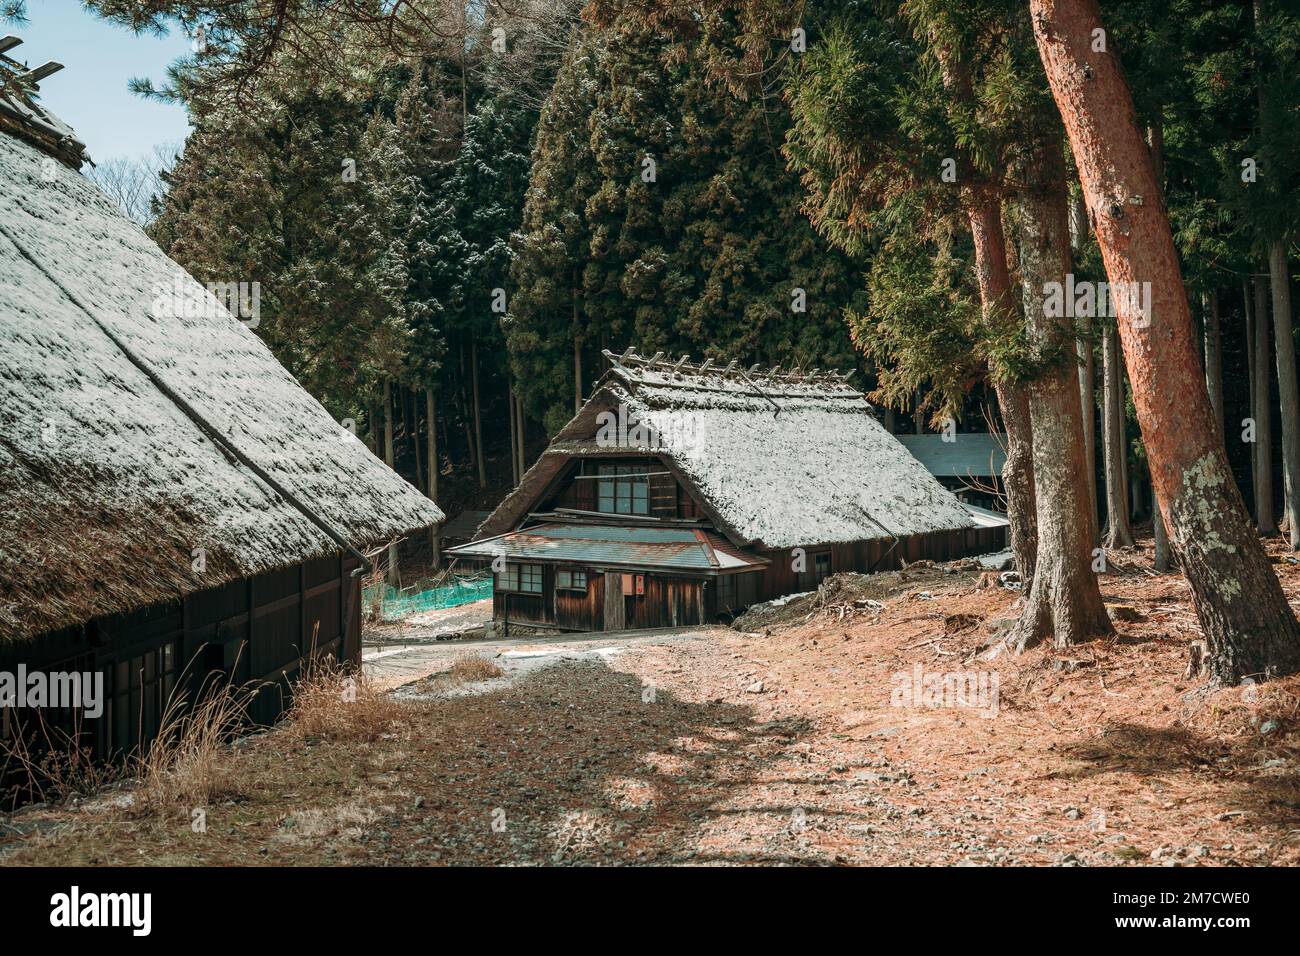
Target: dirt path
x=798 y=745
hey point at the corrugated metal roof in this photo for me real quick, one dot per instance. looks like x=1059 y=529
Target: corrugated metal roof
x=985 y=517
x=968 y=455
x=677 y=549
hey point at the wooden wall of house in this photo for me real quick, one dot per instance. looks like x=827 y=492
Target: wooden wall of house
x=665 y=496
x=882 y=554
x=582 y=610
x=666 y=602
x=254 y=631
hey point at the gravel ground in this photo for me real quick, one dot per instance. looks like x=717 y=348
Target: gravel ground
x=785 y=745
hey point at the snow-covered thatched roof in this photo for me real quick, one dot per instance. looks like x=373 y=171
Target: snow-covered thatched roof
x=111 y=496
x=778 y=460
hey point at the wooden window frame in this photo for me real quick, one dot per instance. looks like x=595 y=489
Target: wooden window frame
x=571 y=573
x=611 y=477
x=516 y=575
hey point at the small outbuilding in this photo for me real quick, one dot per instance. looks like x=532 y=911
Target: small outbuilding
x=682 y=493
x=969 y=464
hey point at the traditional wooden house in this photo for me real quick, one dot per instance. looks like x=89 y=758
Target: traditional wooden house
x=683 y=493
x=172 y=503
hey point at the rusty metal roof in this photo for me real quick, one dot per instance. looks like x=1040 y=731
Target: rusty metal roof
x=671 y=549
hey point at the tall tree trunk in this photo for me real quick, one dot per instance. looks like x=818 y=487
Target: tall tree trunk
x=1064 y=599
x=466 y=415
x=1163 y=559
x=1087 y=356
x=997 y=298
x=1249 y=627
x=917 y=424
x=891 y=421
x=577 y=355
x=1119 y=532
x=514 y=424
x=1280 y=283
x=478 y=416
x=1214 y=358
x=394 y=574
x=431 y=416
x=1265 y=515
x=523 y=433
x=415 y=436
x=1249 y=313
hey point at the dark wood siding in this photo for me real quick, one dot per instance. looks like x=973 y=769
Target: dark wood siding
x=884 y=554
x=665 y=602
x=581 y=610
x=251 y=631
x=520 y=608
x=669 y=601
x=665 y=497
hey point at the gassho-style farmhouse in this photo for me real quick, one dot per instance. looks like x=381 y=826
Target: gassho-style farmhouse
x=172 y=502
x=682 y=493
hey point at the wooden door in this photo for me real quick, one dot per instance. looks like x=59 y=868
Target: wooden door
x=615 y=619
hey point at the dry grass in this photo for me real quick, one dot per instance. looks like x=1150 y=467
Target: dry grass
x=51 y=766
x=334 y=703
x=182 y=768
x=471 y=668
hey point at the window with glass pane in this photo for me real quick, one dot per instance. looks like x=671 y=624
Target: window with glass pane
x=530 y=578
x=620 y=495
x=571 y=580
x=822 y=565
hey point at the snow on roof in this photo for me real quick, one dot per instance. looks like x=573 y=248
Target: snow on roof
x=110 y=496
x=780 y=460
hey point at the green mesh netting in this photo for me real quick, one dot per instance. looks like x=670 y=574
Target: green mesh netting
x=399 y=604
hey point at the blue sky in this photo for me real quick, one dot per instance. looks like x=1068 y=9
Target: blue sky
x=98 y=57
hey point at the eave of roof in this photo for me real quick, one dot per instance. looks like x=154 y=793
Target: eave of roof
x=111 y=515
x=667 y=549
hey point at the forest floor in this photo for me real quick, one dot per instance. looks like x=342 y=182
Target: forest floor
x=786 y=743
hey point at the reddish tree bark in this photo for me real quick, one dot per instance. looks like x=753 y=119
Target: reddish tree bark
x=1248 y=625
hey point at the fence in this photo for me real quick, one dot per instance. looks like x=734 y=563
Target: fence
x=399 y=604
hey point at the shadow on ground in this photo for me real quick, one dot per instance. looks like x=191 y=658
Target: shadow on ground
x=582 y=764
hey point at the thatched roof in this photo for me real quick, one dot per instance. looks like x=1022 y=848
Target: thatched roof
x=107 y=487
x=779 y=460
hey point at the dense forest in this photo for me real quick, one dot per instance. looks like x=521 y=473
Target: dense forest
x=452 y=210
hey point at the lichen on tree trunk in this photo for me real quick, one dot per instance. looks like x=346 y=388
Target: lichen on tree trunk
x=1249 y=627
x=1064 y=600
